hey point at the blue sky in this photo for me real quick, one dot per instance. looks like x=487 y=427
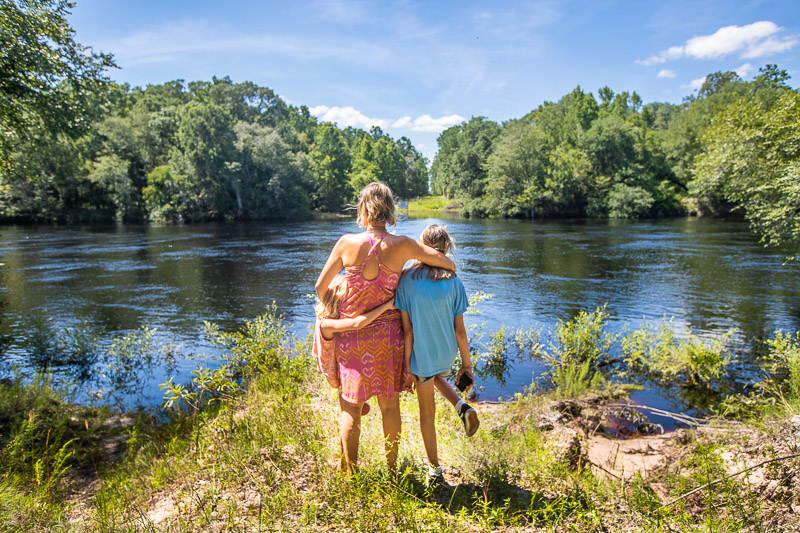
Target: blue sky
x=415 y=68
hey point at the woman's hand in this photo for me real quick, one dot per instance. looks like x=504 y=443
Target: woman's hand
x=390 y=305
x=408 y=386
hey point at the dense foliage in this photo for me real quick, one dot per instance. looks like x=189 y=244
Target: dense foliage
x=47 y=80
x=199 y=151
x=77 y=147
x=734 y=144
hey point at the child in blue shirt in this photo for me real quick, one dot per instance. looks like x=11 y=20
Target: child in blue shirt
x=432 y=302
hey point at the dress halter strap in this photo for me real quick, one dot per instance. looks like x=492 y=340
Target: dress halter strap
x=374 y=247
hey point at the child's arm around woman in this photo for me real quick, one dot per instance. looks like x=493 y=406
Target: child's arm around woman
x=331 y=326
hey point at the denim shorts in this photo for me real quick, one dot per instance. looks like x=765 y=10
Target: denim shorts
x=423 y=381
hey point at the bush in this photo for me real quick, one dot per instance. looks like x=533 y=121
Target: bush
x=582 y=346
x=625 y=201
x=659 y=354
x=783 y=365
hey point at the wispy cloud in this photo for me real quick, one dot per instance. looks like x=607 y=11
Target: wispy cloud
x=758 y=39
x=519 y=21
x=744 y=70
x=695 y=84
x=347 y=11
x=666 y=73
x=171 y=42
x=349 y=116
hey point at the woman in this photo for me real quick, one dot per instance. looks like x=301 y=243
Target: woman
x=371 y=361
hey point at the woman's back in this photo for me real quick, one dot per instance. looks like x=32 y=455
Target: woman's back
x=369 y=282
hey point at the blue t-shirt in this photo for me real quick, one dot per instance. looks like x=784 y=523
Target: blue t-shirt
x=432 y=306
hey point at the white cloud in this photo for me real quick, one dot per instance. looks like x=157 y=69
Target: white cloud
x=349 y=116
x=758 y=39
x=435 y=125
x=744 y=70
x=695 y=84
x=666 y=73
x=770 y=46
x=346 y=116
x=402 y=122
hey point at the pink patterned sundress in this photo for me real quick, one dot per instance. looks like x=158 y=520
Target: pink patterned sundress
x=371 y=360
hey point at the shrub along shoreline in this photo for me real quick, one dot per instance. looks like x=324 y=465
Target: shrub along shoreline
x=252 y=444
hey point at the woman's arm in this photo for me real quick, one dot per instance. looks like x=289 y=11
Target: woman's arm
x=429 y=256
x=332 y=267
x=463 y=348
x=408 y=337
x=329 y=326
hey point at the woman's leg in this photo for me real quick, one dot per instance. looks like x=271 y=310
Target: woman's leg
x=349 y=433
x=390 y=413
x=427 y=421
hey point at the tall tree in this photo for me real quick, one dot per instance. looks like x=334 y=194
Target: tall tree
x=330 y=162
x=459 y=168
x=752 y=158
x=46 y=78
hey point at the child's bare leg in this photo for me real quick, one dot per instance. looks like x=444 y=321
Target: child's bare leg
x=427 y=421
x=447 y=390
x=468 y=415
x=390 y=416
x=349 y=433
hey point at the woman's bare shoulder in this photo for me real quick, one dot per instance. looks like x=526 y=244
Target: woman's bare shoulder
x=398 y=240
x=349 y=239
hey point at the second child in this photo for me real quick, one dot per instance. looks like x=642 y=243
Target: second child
x=432 y=302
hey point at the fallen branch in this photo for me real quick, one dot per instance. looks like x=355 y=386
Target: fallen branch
x=680 y=417
x=610 y=473
x=701 y=487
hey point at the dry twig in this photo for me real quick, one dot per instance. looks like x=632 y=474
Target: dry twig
x=701 y=487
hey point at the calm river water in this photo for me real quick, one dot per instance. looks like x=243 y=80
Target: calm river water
x=710 y=275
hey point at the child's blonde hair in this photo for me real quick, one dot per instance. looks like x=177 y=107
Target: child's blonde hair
x=375 y=205
x=332 y=301
x=436 y=237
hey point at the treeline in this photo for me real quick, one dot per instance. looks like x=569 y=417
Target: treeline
x=200 y=151
x=619 y=158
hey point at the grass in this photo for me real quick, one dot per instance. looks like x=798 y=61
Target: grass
x=267 y=459
x=429 y=203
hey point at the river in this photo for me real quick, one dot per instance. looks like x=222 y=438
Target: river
x=707 y=275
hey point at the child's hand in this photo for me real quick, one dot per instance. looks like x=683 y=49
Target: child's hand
x=466 y=370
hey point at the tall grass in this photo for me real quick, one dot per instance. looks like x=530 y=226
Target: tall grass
x=264 y=456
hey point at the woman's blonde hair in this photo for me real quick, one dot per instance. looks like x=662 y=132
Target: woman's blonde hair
x=332 y=301
x=376 y=204
x=436 y=237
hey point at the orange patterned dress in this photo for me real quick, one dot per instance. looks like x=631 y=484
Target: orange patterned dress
x=370 y=360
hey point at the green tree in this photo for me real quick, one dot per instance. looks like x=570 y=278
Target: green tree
x=46 y=78
x=517 y=170
x=269 y=179
x=365 y=168
x=330 y=162
x=206 y=140
x=164 y=195
x=415 y=172
x=110 y=172
x=752 y=158
x=460 y=165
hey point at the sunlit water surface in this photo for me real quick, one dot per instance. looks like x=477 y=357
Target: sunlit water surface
x=707 y=275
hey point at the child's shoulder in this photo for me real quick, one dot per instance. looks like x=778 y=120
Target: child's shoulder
x=408 y=271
